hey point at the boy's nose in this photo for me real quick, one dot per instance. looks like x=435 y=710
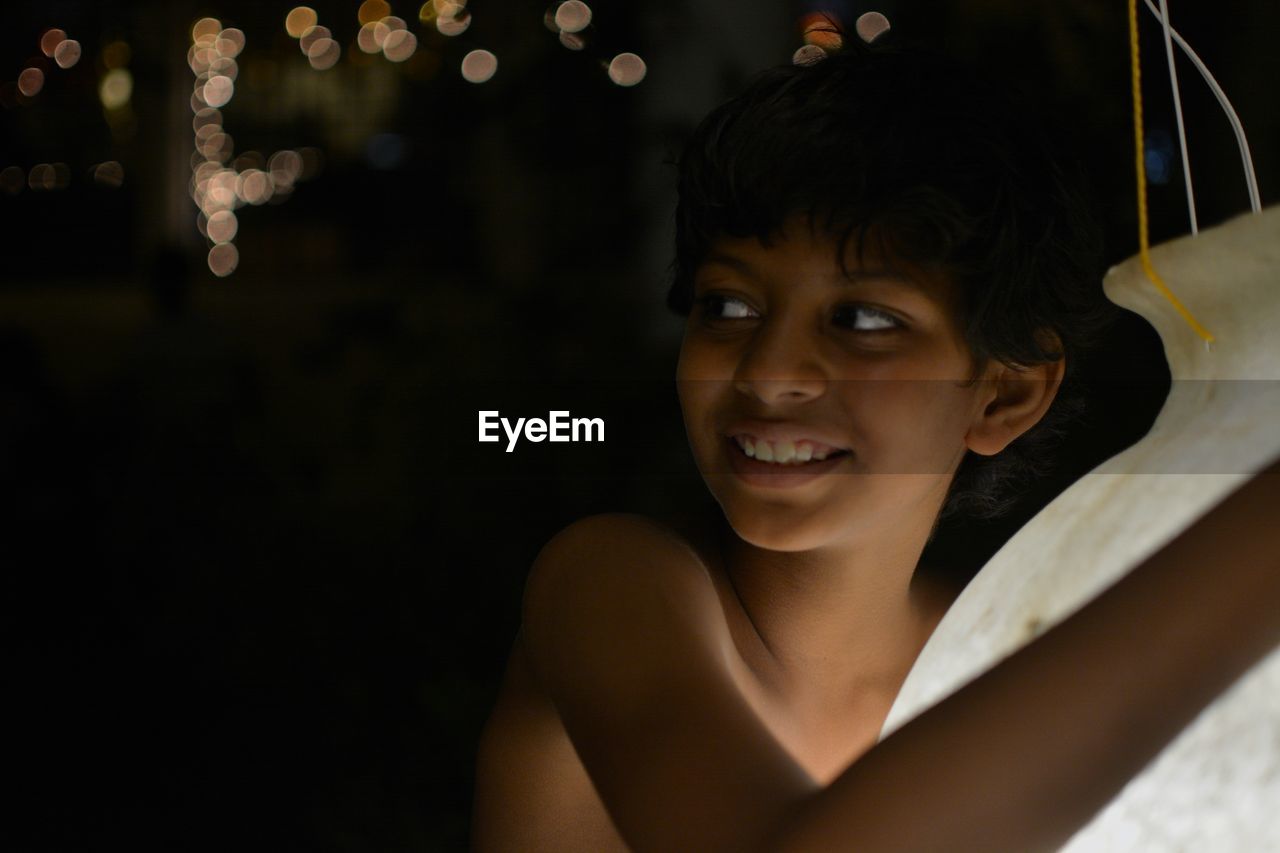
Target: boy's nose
x=778 y=368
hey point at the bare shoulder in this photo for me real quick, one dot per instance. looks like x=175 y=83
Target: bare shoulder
x=625 y=636
x=622 y=538
x=532 y=790
x=617 y=575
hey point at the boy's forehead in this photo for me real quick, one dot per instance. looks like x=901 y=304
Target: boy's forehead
x=842 y=261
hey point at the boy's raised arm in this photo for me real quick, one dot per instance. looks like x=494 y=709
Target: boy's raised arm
x=1023 y=756
x=623 y=626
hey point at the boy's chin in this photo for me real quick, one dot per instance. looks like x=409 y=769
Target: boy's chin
x=779 y=530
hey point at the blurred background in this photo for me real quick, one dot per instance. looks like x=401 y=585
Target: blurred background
x=260 y=266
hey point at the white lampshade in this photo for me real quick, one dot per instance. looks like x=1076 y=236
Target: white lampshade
x=1217 y=786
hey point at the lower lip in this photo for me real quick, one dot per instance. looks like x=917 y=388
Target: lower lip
x=773 y=476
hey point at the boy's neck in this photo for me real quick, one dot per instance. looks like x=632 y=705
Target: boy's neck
x=838 y=623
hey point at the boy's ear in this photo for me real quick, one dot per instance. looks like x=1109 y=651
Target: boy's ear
x=1014 y=400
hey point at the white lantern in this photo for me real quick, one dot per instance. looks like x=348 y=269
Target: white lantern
x=1217 y=786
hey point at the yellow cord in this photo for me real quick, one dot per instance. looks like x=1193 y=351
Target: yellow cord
x=1144 y=250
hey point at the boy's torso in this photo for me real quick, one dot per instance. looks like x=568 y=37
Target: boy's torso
x=534 y=784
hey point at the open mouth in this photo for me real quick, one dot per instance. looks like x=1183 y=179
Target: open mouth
x=793 y=464
x=785 y=454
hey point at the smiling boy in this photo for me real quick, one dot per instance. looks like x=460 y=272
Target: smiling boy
x=886 y=277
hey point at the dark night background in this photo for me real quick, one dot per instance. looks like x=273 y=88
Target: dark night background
x=260 y=580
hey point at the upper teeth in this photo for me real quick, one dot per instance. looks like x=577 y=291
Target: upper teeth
x=783 y=452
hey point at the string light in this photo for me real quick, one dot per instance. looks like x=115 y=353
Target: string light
x=12 y=179
x=372 y=11
x=50 y=40
x=573 y=16
x=627 y=69
x=399 y=45
x=205 y=28
x=30 y=82
x=311 y=36
x=109 y=174
x=299 y=20
x=573 y=41
x=324 y=54
x=479 y=66
x=67 y=53
x=223 y=259
x=218 y=91
x=454 y=24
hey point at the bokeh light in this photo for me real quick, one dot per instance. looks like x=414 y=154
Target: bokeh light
x=250 y=160
x=324 y=54
x=254 y=186
x=819 y=28
x=435 y=9
x=206 y=28
x=230 y=42
x=12 y=179
x=224 y=66
x=373 y=10
x=40 y=177
x=67 y=53
x=49 y=176
x=371 y=37
x=219 y=192
x=627 y=69
x=199 y=58
x=30 y=82
x=116 y=88
x=454 y=25
x=219 y=146
x=109 y=174
x=871 y=25
x=285 y=168
x=50 y=40
x=218 y=91
x=808 y=55
x=299 y=20
x=479 y=66
x=573 y=16
x=207 y=130
x=313 y=34
x=399 y=45
x=223 y=259
x=222 y=226
x=207 y=116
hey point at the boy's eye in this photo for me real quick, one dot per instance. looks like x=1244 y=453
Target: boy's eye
x=720 y=307
x=864 y=318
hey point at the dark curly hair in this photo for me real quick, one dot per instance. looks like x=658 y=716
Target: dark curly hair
x=946 y=170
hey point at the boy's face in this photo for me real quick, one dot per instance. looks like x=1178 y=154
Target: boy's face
x=783 y=350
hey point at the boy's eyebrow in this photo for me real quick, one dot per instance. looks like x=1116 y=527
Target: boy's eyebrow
x=851 y=277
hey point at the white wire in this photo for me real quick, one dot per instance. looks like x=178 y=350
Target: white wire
x=1250 y=177
x=1177 y=111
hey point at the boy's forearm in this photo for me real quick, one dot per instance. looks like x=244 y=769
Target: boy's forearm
x=1025 y=755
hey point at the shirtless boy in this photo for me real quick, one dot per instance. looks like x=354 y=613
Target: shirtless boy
x=886 y=278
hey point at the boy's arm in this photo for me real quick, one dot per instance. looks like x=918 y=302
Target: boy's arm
x=623 y=626
x=1026 y=754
